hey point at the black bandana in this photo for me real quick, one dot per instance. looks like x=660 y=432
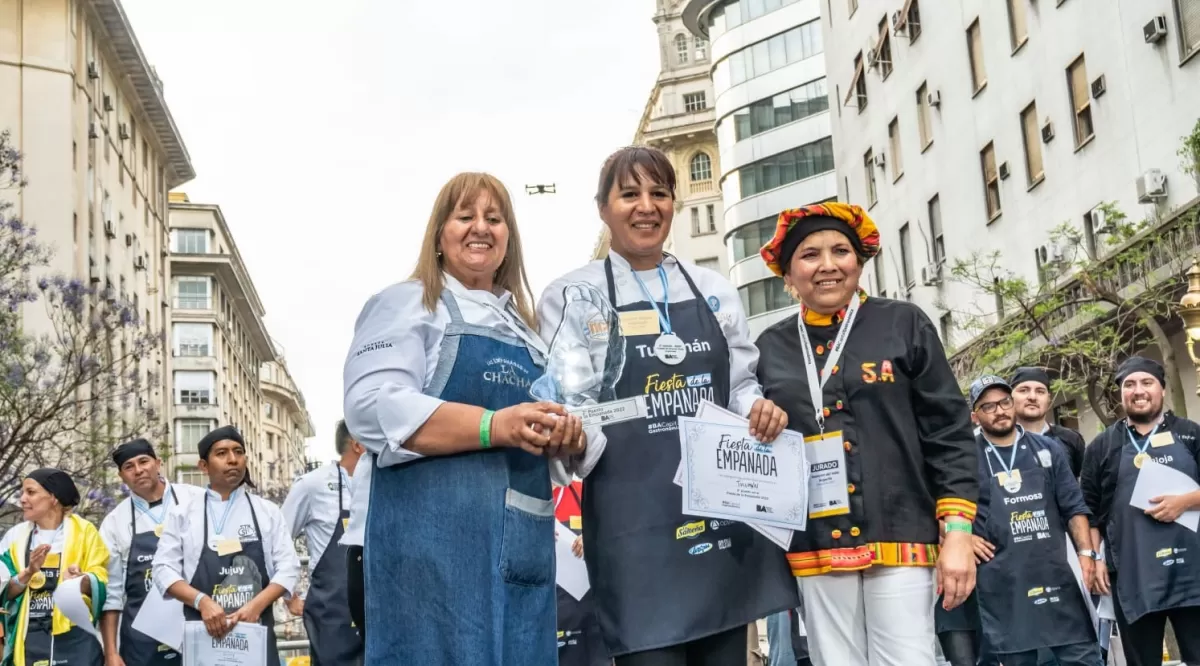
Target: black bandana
x=1141 y=364
x=57 y=483
x=130 y=450
x=219 y=435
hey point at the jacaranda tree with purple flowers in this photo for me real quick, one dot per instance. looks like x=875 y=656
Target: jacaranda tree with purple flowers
x=74 y=361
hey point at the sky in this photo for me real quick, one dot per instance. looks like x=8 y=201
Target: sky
x=325 y=135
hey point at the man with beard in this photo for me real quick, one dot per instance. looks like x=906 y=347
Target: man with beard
x=1031 y=392
x=131 y=532
x=1152 y=573
x=227 y=555
x=1029 y=598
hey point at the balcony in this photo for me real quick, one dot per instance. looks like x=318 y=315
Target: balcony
x=700 y=186
x=681 y=127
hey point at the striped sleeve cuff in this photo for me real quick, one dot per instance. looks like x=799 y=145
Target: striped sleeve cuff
x=953 y=506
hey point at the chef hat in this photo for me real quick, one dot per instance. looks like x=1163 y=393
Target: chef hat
x=58 y=483
x=797 y=224
x=1023 y=375
x=130 y=450
x=1141 y=364
x=219 y=435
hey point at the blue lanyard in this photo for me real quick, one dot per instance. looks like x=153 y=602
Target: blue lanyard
x=219 y=526
x=664 y=320
x=1012 y=457
x=1143 y=447
x=161 y=514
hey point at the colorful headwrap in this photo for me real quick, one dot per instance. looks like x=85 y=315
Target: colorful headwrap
x=857 y=226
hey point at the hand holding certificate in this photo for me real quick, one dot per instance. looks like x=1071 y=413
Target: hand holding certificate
x=244 y=645
x=729 y=474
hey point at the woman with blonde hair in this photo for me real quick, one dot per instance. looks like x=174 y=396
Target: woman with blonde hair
x=457 y=523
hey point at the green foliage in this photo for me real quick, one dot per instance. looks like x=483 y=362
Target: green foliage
x=1189 y=152
x=1096 y=301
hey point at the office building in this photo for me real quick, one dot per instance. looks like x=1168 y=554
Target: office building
x=286 y=424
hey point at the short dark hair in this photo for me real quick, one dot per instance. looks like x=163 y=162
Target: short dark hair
x=625 y=164
x=342 y=439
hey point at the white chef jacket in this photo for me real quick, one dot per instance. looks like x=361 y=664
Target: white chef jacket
x=56 y=538
x=360 y=496
x=744 y=388
x=397 y=343
x=181 y=544
x=117 y=536
x=311 y=508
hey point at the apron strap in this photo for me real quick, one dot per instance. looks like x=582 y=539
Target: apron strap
x=452 y=306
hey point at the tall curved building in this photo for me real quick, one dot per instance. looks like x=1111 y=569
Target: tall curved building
x=773 y=129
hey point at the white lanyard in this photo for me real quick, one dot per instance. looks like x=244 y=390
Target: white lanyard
x=816 y=385
x=163 y=509
x=1012 y=457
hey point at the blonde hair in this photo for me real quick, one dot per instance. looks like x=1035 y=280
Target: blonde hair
x=511 y=274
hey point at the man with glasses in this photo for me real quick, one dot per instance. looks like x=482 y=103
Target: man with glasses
x=1029 y=598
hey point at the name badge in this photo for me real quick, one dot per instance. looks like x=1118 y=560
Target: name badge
x=52 y=561
x=1044 y=458
x=228 y=547
x=1162 y=439
x=639 y=322
x=828 y=494
x=345 y=524
x=576 y=522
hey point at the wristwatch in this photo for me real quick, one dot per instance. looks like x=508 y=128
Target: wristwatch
x=1088 y=553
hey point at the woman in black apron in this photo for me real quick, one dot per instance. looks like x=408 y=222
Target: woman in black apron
x=51 y=547
x=670 y=589
x=332 y=636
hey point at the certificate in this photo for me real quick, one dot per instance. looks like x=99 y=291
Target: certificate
x=729 y=474
x=244 y=645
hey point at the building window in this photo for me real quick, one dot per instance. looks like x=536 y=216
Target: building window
x=710 y=216
x=189 y=241
x=923 y=125
x=869 y=175
x=946 y=323
x=852 y=6
x=747 y=240
x=787 y=167
x=701 y=49
x=802 y=42
x=695 y=221
x=767 y=114
x=935 y=229
x=1187 y=19
x=1033 y=144
x=733 y=14
x=694 y=102
x=269 y=409
x=193 y=339
x=858 y=85
x=681 y=48
x=701 y=167
x=711 y=263
x=975 y=53
x=991 y=180
x=883 y=50
x=880 y=277
x=913 y=21
x=1081 y=100
x=189 y=432
x=906 y=270
x=194 y=388
x=894 y=146
x=193 y=293
x=1089 y=236
x=1018 y=32
x=764 y=296
x=191 y=476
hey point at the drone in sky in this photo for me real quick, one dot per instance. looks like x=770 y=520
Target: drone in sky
x=539 y=189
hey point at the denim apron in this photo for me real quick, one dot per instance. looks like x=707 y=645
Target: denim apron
x=332 y=636
x=136 y=647
x=661 y=578
x=1028 y=596
x=1153 y=571
x=458 y=557
x=73 y=648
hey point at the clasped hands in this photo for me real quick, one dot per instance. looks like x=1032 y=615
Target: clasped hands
x=540 y=428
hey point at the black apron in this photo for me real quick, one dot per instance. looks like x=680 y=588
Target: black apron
x=76 y=647
x=579 y=641
x=136 y=647
x=242 y=576
x=1156 y=563
x=1028 y=596
x=332 y=636
x=661 y=578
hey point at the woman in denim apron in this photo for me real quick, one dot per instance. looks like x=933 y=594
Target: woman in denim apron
x=458 y=557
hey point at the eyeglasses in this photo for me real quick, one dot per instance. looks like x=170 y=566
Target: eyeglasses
x=990 y=407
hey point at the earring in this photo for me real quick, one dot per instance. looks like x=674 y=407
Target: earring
x=439 y=254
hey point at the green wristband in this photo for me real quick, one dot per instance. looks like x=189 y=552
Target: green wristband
x=958 y=526
x=485 y=429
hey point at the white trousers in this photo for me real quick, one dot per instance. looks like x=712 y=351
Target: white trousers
x=882 y=616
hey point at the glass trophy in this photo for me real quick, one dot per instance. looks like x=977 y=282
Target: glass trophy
x=586 y=359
